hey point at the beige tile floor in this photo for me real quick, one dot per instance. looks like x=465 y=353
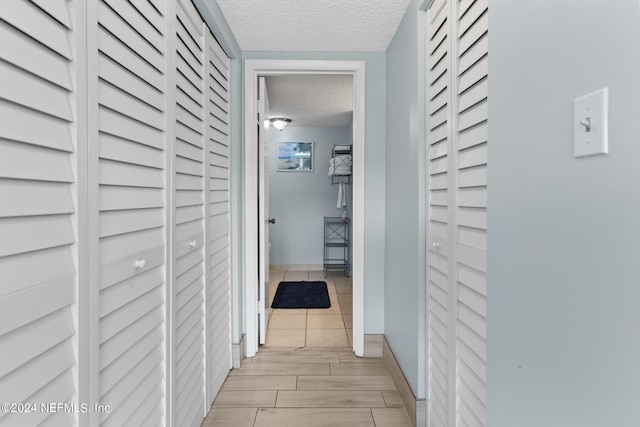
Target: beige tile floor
x=308 y=388
x=306 y=374
x=329 y=328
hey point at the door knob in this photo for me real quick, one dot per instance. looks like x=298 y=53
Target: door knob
x=436 y=245
x=271 y=220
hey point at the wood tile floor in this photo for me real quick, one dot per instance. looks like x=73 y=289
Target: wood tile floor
x=308 y=388
x=312 y=328
x=306 y=374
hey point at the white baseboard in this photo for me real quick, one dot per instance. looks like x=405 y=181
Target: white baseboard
x=421 y=413
x=296 y=267
x=237 y=353
x=416 y=409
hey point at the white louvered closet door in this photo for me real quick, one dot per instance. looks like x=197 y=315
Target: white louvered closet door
x=130 y=142
x=218 y=217
x=471 y=211
x=439 y=289
x=38 y=142
x=189 y=227
x=466 y=76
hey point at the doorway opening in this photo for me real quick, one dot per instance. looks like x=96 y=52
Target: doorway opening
x=256 y=287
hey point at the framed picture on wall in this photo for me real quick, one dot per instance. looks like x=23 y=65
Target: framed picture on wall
x=295 y=156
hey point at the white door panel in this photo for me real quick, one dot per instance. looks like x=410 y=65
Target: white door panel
x=263 y=212
x=189 y=375
x=38 y=266
x=457 y=58
x=219 y=362
x=130 y=136
x=95 y=158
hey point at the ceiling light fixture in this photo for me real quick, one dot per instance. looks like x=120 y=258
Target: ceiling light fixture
x=280 y=122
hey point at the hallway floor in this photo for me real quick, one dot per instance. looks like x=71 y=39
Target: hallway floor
x=327 y=328
x=308 y=388
x=306 y=374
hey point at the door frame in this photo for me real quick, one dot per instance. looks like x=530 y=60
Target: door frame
x=265 y=67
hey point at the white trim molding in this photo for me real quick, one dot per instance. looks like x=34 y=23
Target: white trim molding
x=259 y=67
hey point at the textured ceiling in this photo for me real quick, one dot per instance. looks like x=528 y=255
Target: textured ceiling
x=313 y=25
x=311 y=100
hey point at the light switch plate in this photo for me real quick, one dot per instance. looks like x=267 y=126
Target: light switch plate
x=590 y=124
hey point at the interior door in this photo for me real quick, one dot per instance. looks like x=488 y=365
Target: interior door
x=188 y=290
x=39 y=138
x=457 y=186
x=218 y=222
x=130 y=142
x=263 y=212
x=439 y=329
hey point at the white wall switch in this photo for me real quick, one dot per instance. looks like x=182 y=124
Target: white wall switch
x=590 y=124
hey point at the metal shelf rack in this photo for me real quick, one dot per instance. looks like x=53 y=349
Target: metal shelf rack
x=336 y=244
x=336 y=151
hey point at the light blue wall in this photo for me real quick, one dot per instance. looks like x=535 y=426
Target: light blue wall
x=405 y=199
x=375 y=94
x=564 y=233
x=215 y=19
x=299 y=201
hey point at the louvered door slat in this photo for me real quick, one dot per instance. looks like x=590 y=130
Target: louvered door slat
x=473 y=136
x=150 y=13
x=116 y=99
x=31 y=56
x=131 y=121
x=469 y=13
x=115 y=198
x=188 y=49
x=123 y=79
x=37 y=239
x=54 y=262
x=474 y=156
x=219 y=101
x=158 y=5
x=112 y=295
x=139 y=23
x=31 y=20
x=116 y=49
x=474 y=54
x=127 y=362
x=129 y=175
x=125 y=151
x=57 y=9
x=129 y=244
x=112 y=349
x=31 y=91
x=476 y=93
x=117 y=124
x=128 y=35
x=219 y=92
x=43 y=164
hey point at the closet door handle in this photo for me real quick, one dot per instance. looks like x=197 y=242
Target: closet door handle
x=192 y=244
x=271 y=220
x=140 y=263
x=435 y=245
